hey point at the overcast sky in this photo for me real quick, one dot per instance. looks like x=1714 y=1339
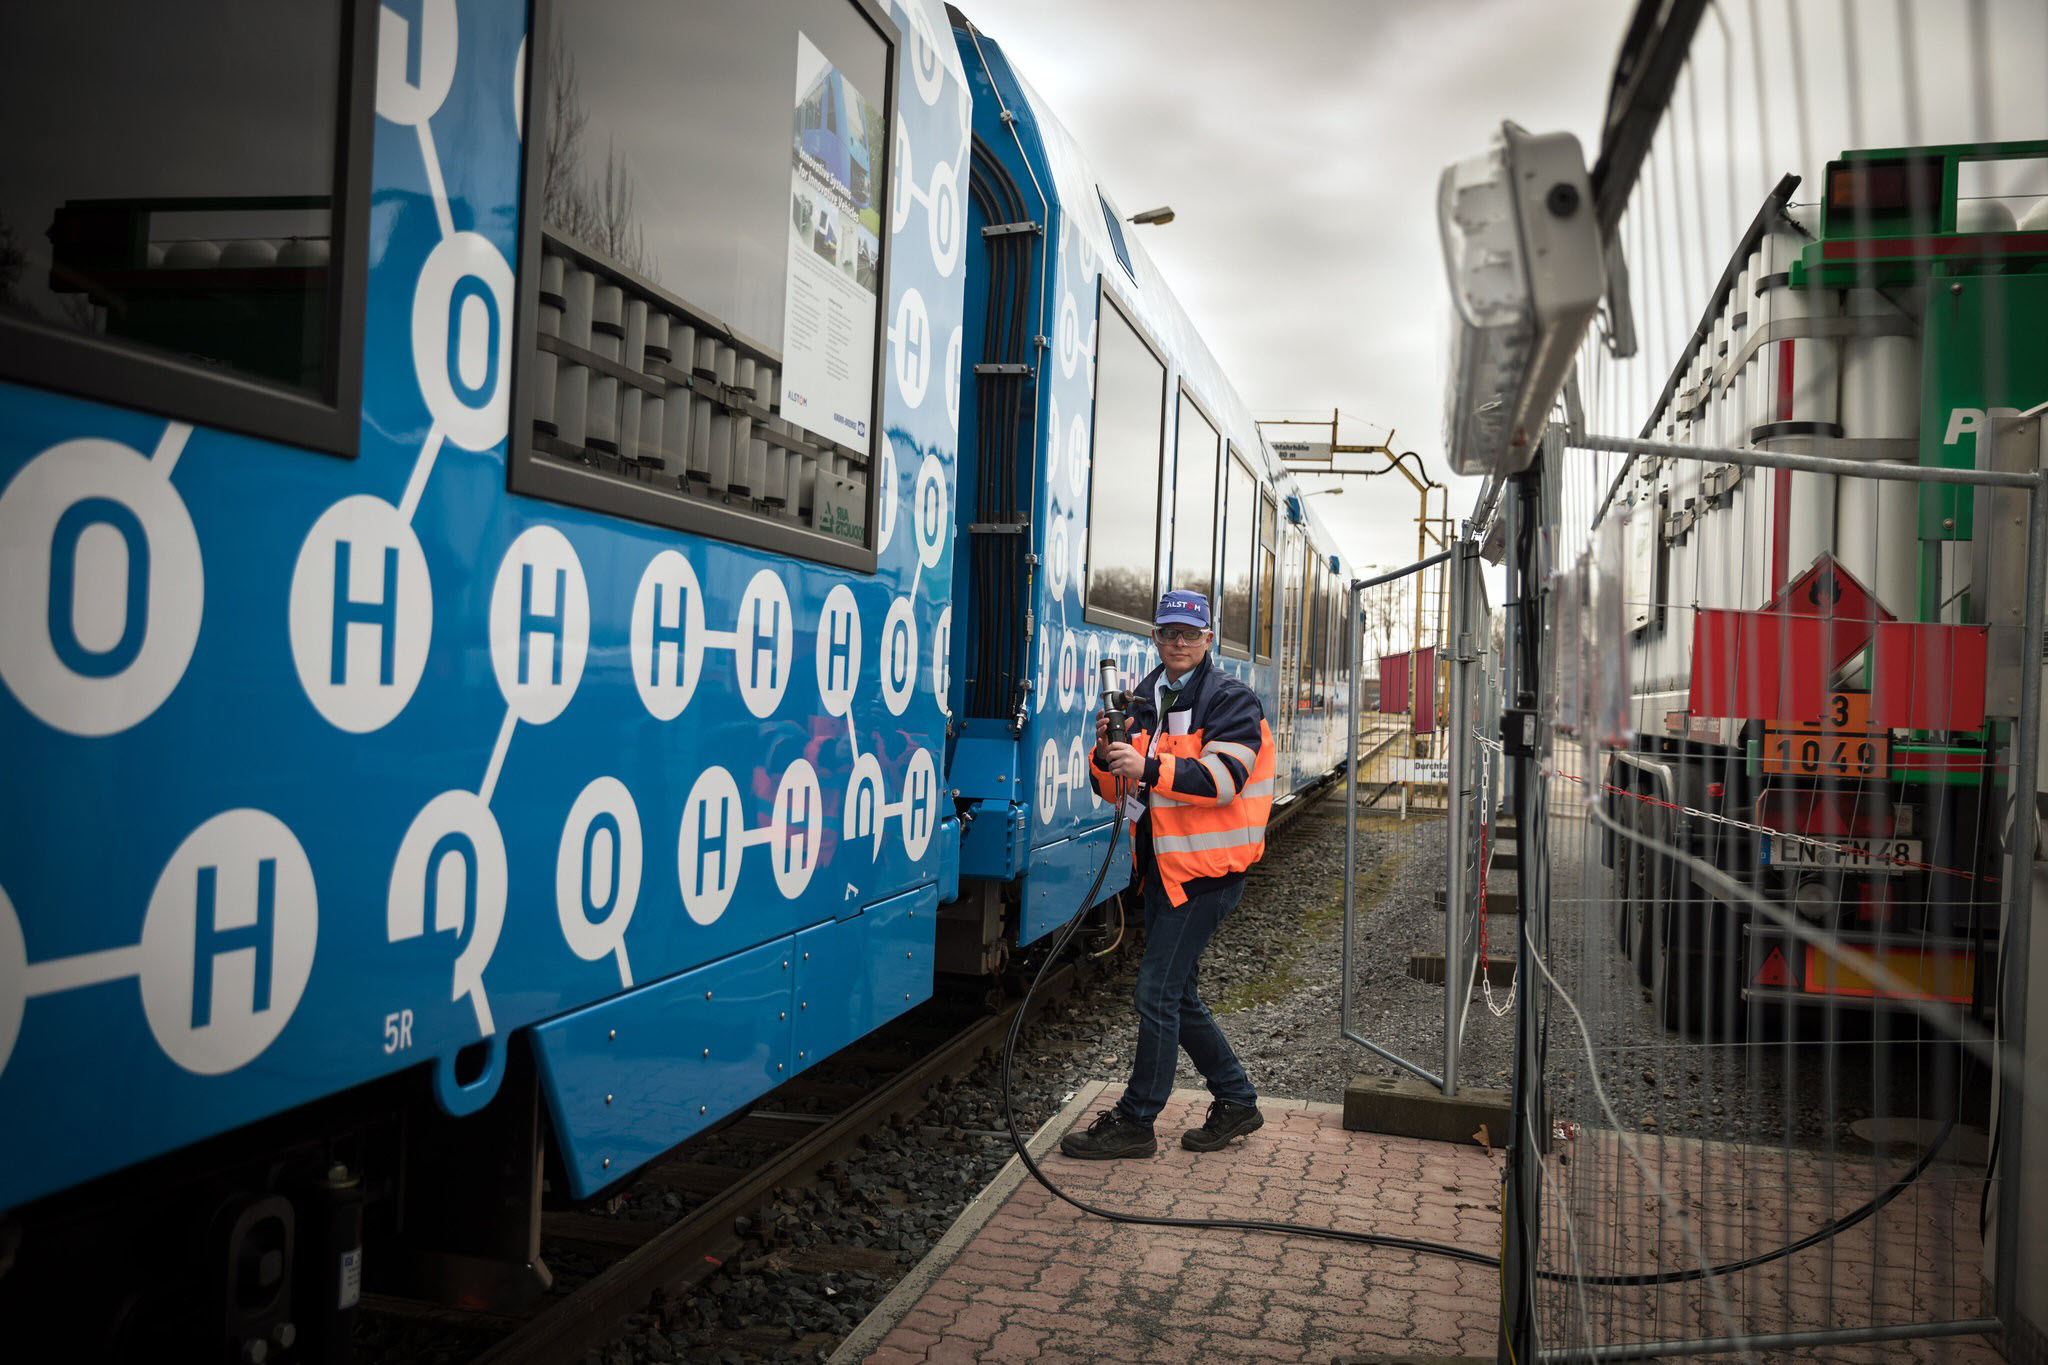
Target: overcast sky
x=1299 y=142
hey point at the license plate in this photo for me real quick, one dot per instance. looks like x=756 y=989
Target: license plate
x=1870 y=855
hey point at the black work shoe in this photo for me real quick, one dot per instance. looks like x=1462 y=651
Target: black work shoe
x=1225 y=1121
x=1112 y=1135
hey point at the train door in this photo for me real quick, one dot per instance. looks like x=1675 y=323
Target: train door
x=999 y=469
x=1290 y=655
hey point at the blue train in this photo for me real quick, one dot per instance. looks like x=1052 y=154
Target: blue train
x=507 y=651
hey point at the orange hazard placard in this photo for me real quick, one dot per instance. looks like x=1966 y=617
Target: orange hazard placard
x=1843 y=744
x=1926 y=973
x=1845 y=711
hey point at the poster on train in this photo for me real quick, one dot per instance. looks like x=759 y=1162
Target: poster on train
x=835 y=254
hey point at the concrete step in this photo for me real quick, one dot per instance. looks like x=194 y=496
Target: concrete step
x=1500 y=900
x=1406 y=1107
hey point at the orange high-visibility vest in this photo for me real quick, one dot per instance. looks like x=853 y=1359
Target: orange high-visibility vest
x=1205 y=823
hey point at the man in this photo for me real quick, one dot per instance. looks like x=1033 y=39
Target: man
x=1197 y=780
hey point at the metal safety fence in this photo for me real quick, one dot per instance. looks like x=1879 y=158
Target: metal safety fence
x=1770 y=950
x=1423 y=796
x=1776 y=607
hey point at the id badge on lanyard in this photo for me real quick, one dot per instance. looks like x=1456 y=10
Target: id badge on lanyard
x=1134 y=804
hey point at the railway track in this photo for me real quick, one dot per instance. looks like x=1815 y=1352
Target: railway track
x=611 y=1266
x=1372 y=796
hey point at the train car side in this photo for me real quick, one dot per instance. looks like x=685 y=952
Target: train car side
x=491 y=690
x=425 y=826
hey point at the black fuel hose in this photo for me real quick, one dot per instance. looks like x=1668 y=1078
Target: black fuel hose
x=1409 y=1244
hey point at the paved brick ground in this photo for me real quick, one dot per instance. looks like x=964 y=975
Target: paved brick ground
x=1676 y=1201
x=1041 y=1281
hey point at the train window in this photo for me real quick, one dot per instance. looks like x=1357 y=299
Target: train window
x=704 y=264
x=213 y=269
x=1123 y=491
x=1116 y=233
x=1321 y=652
x=1341 y=618
x=1268 y=571
x=1337 y=637
x=1305 y=630
x=1346 y=623
x=1319 y=630
x=1194 y=500
x=1240 y=534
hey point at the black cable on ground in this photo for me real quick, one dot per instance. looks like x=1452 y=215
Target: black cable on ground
x=1392 y=1243
x=1819 y=1234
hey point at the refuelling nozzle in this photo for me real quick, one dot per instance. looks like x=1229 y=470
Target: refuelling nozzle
x=1114 y=703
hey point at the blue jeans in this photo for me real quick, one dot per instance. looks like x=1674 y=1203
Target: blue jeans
x=1171 y=1015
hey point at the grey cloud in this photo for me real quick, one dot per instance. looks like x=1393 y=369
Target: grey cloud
x=1300 y=144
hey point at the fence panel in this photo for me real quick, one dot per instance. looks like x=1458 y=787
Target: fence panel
x=1426 y=783
x=1778 y=585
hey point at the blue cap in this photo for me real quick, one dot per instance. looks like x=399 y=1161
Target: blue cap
x=1179 y=608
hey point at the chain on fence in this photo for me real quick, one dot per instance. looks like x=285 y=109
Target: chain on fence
x=1775 y=575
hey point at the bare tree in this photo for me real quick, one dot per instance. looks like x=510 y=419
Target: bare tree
x=1389 y=618
x=566 y=121
x=616 y=231
x=599 y=214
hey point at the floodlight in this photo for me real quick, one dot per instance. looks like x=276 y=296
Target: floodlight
x=1522 y=250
